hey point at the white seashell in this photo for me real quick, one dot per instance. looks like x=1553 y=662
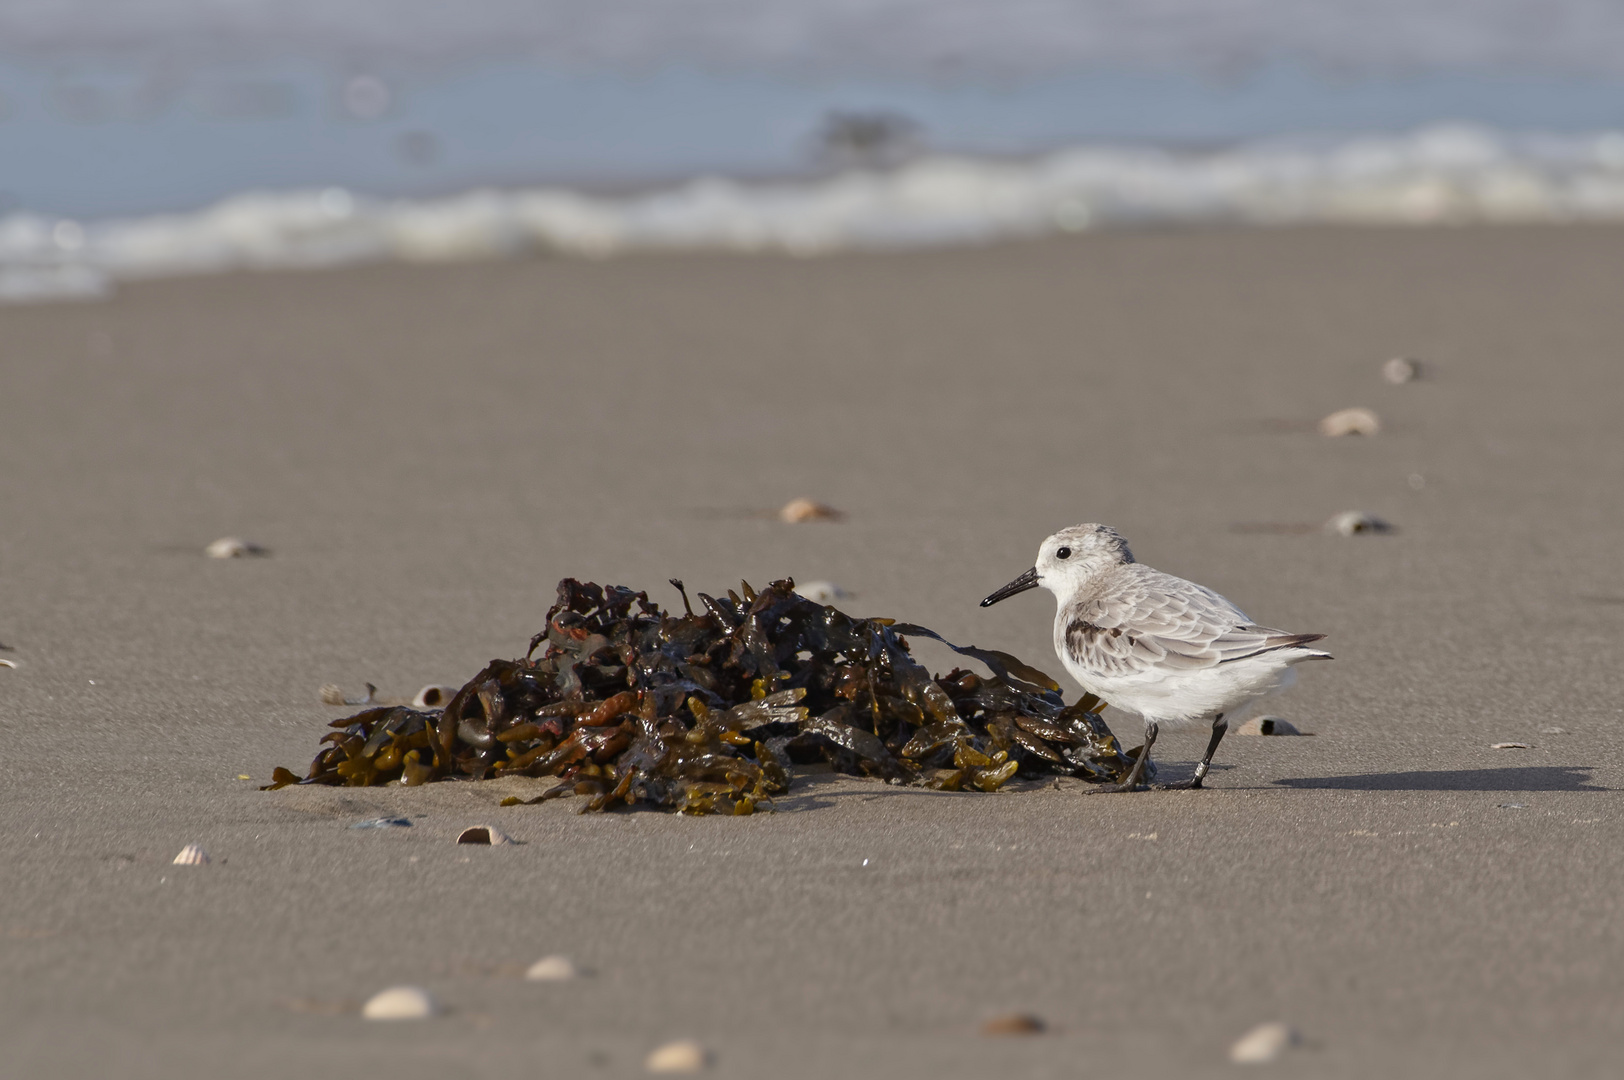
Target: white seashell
x=6 y=663
x=401 y=1003
x=1353 y=522
x=1510 y=746
x=1401 y=369
x=483 y=834
x=333 y=694
x=684 y=1055
x=1263 y=1044
x=192 y=855
x=551 y=969
x=798 y=510
x=1267 y=725
x=822 y=592
x=434 y=696
x=1357 y=421
x=231 y=547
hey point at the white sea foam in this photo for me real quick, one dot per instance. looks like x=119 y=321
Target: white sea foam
x=1437 y=175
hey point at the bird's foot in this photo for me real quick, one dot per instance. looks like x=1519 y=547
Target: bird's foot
x=1192 y=784
x=1110 y=789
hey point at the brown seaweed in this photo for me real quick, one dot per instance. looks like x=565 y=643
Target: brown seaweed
x=711 y=711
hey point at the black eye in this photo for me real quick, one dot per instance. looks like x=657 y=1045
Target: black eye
x=1063 y=553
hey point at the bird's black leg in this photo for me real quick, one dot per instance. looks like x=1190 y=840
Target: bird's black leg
x=1218 y=729
x=1137 y=774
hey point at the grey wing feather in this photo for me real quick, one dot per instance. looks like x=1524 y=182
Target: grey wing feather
x=1146 y=619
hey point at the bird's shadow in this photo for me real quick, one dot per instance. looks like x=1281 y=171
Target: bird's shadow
x=1528 y=778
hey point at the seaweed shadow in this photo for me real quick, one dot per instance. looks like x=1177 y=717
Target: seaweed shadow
x=1527 y=778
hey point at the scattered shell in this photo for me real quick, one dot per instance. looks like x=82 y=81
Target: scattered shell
x=1267 y=725
x=1511 y=806
x=1357 y=421
x=483 y=834
x=551 y=969
x=1263 y=1044
x=434 y=696
x=192 y=855
x=232 y=547
x=401 y=1003
x=333 y=694
x=1510 y=746
x=1353 y=522
x=1014 y=1023
x=822 y=592
x=244 y=776
x=1401 y=369
x=684 y=1055
x=384 y=823
x=1553 y=731
x=798 y=510
x=6 y=663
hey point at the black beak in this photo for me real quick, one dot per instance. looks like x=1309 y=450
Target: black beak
x=1028 y=580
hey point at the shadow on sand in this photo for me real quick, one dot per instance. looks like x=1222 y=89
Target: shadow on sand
x=1531 y=778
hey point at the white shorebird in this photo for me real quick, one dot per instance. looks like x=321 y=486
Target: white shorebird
x=1173 y=652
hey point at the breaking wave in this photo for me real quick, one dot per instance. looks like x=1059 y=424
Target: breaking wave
x=1437 y=175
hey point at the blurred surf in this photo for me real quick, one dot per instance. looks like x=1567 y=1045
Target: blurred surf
x=1436 y=175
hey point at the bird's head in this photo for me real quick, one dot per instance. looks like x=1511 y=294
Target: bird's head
x=1067 y=559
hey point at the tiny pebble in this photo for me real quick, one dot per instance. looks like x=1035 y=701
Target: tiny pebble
x=798 y=510
x=244 y=776
x=1553 y=731
x=1510 y=746
x=1512 y=806
x=1401 y=369
x=1267 y=725
x=192 y=855
x=1263 y=1044
x=684 y=1055
x=483 y=834
x=1355 y=522
x=400 y=1003
x=1357 y=421
x=384 y=823
x=1012 y=1024
x=551 y=969
x=232 y=547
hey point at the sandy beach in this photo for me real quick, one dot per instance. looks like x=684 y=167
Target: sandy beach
x=426 y=451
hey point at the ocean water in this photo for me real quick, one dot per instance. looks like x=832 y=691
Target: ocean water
x=143 y=137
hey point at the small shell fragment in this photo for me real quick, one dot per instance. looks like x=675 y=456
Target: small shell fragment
x=682 y=1056
x=1263 y=1044
x=1014 y=1023
x=1356 y=421
x=551 y=969
x=233 y=547
x=6 y=663
x=1267 y=725
x=798 y=510
x=401 y=1003
x=822 y=592
x=333 y=694
x=1354 y=522
x=384 y=823
x=192 y=855
x=434 y=696
x=483 y=834
x=1510 y=746
x=1401 y=369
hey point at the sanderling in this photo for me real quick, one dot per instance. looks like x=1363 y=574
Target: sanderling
x=1173 y=652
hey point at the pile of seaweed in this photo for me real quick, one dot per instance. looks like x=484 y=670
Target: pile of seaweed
x=711 y=712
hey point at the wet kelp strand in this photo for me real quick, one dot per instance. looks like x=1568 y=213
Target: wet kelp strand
x=712 y=710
